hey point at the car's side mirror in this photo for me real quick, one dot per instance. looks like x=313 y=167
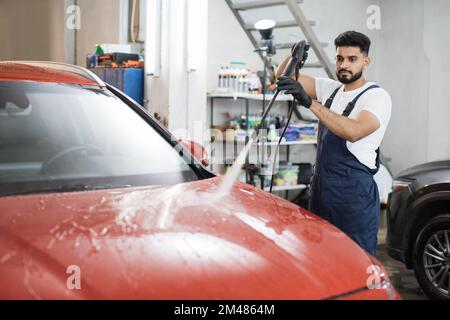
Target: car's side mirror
x=197 y=150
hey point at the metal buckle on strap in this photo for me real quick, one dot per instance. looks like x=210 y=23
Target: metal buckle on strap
x=348 y=109
x=351 y=104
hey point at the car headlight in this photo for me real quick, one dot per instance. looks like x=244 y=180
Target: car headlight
x=401 y=183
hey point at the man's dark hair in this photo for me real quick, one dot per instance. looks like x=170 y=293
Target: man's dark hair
x=353 y=39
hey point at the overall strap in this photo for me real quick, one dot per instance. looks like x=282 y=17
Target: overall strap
x=348 y=110
x=377 y=162
x=351 y=104
x=329 y=101
x=346 y=113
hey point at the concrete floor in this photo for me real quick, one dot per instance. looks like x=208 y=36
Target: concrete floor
x=402 y=279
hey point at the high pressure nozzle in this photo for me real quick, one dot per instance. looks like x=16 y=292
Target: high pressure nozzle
x=298 y=56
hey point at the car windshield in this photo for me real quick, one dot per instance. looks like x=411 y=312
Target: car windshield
x=59 y=137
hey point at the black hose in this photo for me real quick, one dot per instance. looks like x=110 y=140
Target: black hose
x=291 y=110
x=294 y=65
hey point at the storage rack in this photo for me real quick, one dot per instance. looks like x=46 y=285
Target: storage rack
x=247 y=98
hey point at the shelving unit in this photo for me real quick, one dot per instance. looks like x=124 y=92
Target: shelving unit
x=241 y=141
x=246 y=98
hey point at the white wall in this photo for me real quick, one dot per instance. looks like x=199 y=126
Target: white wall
x=414 y=69
x=179 y=94
x=437 y=45
x=227 y=41
x=404 y=70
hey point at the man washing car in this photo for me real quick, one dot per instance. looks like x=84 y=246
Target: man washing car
x=353 y=114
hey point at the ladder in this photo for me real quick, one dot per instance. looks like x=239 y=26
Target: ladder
x=299 y=20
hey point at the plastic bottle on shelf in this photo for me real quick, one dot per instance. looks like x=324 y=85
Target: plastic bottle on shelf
x=240 y=76
x=272 y=135
x=236 y=74
x=241 y=87
x=226 y=78
x=245 y=81
x=253 y=82
x=235 y=80
x=232 y=79
x=221 y=78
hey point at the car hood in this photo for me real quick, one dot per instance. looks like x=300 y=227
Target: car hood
x=172 y=242
x=425 y=168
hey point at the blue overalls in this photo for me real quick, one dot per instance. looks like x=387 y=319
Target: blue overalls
x=343 y=190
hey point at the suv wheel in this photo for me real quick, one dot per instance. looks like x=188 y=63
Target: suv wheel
x=431 y=258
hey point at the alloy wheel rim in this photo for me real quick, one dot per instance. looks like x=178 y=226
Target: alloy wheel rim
x=436 y=260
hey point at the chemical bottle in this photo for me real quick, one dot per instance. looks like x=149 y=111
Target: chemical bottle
x=221 y=74
x=272 y=135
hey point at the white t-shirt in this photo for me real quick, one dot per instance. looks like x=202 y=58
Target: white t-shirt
x=377 y=101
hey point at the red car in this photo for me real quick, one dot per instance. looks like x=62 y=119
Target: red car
x=98 y=201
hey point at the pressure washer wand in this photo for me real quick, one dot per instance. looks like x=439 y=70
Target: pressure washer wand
x=294 y=64
x=298 y=57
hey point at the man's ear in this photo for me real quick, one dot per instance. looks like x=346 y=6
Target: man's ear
x=367 y=61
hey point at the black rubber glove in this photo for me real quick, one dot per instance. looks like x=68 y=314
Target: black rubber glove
x=294 y=87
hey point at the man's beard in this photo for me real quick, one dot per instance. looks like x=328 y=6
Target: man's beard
x=353 y=78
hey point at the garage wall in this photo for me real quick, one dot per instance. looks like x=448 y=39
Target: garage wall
x=333 y=17
x=32 y=30
x=228 y=42
x=404 y=71
x=414 y=69
x=437 y=46
x=178 y=95
x=99 y=24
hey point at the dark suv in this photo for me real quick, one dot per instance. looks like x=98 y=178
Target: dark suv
x=419 y=225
